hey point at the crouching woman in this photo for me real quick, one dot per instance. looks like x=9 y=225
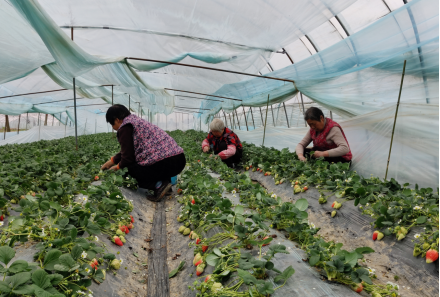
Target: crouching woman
x=224 y=143
x=328 y=138
x=151 y=156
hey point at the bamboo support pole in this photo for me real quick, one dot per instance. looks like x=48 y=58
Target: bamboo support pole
x=252 y=115
x=273 y=117
x=302 y=102
x=261 y=114
x=267 y=109
x=285 y=111
x=395 y=118
x=238 y=121
x=244 y=112
x=18 y=128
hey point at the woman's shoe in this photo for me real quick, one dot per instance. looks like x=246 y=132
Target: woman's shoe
x=160 y=192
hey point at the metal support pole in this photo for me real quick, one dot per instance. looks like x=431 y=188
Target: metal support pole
x=232 y=124
x=285 y=111
x=27 y=117
x=261 y=114
x=233 y=119
x=273 y=118
x=244 y=112
x=253 y=122
x=395 y=118
x=112 y=95
x=4 y=132
x=331 y=115
x=38 y=123
x=53 y=118
x=129 y=101
x=18 y=130
x=267 y=109
x=238 y=122
x=302 y=102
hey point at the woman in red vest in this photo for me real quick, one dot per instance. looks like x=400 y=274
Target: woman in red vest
x=328 y=138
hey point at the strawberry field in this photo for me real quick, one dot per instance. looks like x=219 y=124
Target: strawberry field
x=276 y=227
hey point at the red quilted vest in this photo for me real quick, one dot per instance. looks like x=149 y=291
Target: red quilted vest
x=320 y=140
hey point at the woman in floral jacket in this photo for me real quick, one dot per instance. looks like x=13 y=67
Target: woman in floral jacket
x=151 y=156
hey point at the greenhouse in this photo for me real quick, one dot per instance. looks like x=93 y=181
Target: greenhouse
x=219 y=148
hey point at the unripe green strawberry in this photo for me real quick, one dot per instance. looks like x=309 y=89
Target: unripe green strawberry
x=322 y=200
x=333 y=213
x=277 y=183
x=186 y=224
x=104 y=273
x=119 y=232
x=179 y=218
x=375 y=294
x=186 y=231
x=416 y=251
x=401 y=236
x=433 y=246
x=122 y=238
x=201 y=223
x=403 y=230
x=380 y=235
x=115 y=264
x=203 y=265
x=216 y=287
x=338 y=205
x=194 y=236
x=426 y=246
x=181 y=229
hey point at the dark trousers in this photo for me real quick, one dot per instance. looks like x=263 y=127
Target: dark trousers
x=235 y=159
x=148 y=176
x=328 y=159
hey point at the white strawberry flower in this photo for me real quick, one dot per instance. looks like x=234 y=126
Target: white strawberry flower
x=84 y=199
x=416 y=236
x=117 y=196
x=417 y=207
x=50 y=244
x=273 y=196
x=312 y=225
x=233 y=192
x=87 y=271
x=83 y=255
x=120 y=261
x=371 y=270
x=96 y=238
x=108 y=193
x=127 y=178
x=1 y=224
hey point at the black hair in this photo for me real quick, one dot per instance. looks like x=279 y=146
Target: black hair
x=116 y=111
x=314 y=114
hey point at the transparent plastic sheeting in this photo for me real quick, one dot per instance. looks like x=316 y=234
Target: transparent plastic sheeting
x=242 y=42
x=415 y=151
x=359 y=74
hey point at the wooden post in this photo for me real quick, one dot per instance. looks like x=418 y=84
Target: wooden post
x=4 y=129
x=244 y=112
x=331 y=115
x=232 y=125
x=74 y=104
x=53 y=118
x=7 y=126
x=112 y=95
x=27 y=117
x=238 y=122
x=224 y=114
x=267 y=109
x=273 y=117
x=253 y=122
x=261 y=114
x=18 y=129
x=395 y=118
x=302 y=102
x=285 y=111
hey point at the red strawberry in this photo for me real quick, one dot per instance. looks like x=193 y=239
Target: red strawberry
x=1 y=218
x=96 y=177
x=250 y=166
x=296 y=182
x=198 y=241
x=204 y=248
x=132 y=220
x=199 y=262
x=193 y=201
x=265 y=174
x=305 y=188
x=357 y=288
x=130 y=226
x=198 y=161
x=333 y=204
x=93 y=265
x=179 y=191
x=431 y=256
x=207 y=278
x=117 y=241
x=95 y=261
x=375 y=233
x=258 y=169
